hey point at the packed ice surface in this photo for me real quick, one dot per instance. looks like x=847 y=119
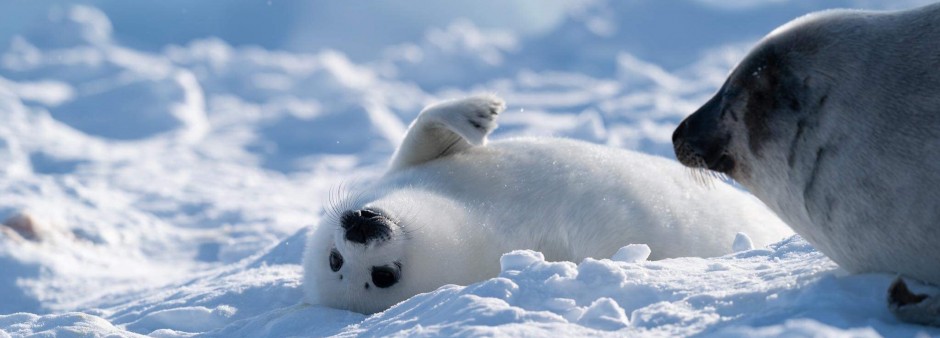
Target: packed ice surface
x=160 y=165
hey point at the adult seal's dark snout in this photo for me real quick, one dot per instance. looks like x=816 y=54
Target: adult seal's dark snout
x=699 y=144
x=833 y=120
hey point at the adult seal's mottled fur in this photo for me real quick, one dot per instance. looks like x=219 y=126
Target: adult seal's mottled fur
x=833 y=120
x=451 y=204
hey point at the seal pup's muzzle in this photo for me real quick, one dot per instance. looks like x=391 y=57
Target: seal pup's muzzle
x=366 y=225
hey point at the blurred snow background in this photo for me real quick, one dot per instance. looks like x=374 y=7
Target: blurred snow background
x=173 y=153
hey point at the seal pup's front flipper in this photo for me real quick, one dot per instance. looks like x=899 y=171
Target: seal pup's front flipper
x=911 y=307
x=446 y=128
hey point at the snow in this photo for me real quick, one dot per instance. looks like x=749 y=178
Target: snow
x=742 y=243
x=170 y=157
x=632 y=253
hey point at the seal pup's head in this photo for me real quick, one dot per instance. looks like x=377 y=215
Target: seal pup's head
x=384 y=249
x=400 y=237
x=359 y=251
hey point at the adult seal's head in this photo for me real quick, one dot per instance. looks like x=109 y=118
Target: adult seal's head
x=775 y=93
x=833 y=120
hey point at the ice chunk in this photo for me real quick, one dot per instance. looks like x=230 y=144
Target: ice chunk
x=633 y=253
x=742 y=243
x=604 y=314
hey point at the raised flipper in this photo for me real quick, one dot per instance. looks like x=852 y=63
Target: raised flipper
x=446 y=128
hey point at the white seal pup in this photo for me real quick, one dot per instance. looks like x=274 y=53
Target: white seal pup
x=833 y=120
x=451 y=205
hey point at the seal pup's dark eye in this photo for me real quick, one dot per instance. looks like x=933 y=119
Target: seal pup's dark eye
x=336 y=260
x=385 y=276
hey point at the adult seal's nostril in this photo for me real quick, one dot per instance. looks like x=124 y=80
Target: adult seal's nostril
x=363 y=226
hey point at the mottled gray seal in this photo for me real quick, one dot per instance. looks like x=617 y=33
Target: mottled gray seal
x=833 y=120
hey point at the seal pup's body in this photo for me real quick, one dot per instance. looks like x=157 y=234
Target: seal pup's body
x=451 y=205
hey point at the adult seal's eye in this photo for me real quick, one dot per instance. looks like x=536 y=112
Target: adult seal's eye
x=384 y=276
x=336 y=260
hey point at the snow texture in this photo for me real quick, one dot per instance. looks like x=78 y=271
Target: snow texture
x=742 y=243
x=162 y=162
x=633 y=253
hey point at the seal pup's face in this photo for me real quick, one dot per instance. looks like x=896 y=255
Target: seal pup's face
x=359 y=261
x=371 y=255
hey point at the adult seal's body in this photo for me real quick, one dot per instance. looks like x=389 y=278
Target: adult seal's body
x=451 y=204
x=833 y=120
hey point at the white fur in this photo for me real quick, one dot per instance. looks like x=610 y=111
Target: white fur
x=457 y=212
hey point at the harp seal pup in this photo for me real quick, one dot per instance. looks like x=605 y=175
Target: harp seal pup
x=833 y=120
x=451 y=204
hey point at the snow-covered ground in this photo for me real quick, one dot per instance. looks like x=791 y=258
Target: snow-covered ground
x=174 y=154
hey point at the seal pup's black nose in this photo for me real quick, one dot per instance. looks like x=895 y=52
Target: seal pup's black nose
x=365 y=225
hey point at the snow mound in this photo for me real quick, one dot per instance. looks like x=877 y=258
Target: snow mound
x=786 y=288
x=741 y=243
x=633 y=253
